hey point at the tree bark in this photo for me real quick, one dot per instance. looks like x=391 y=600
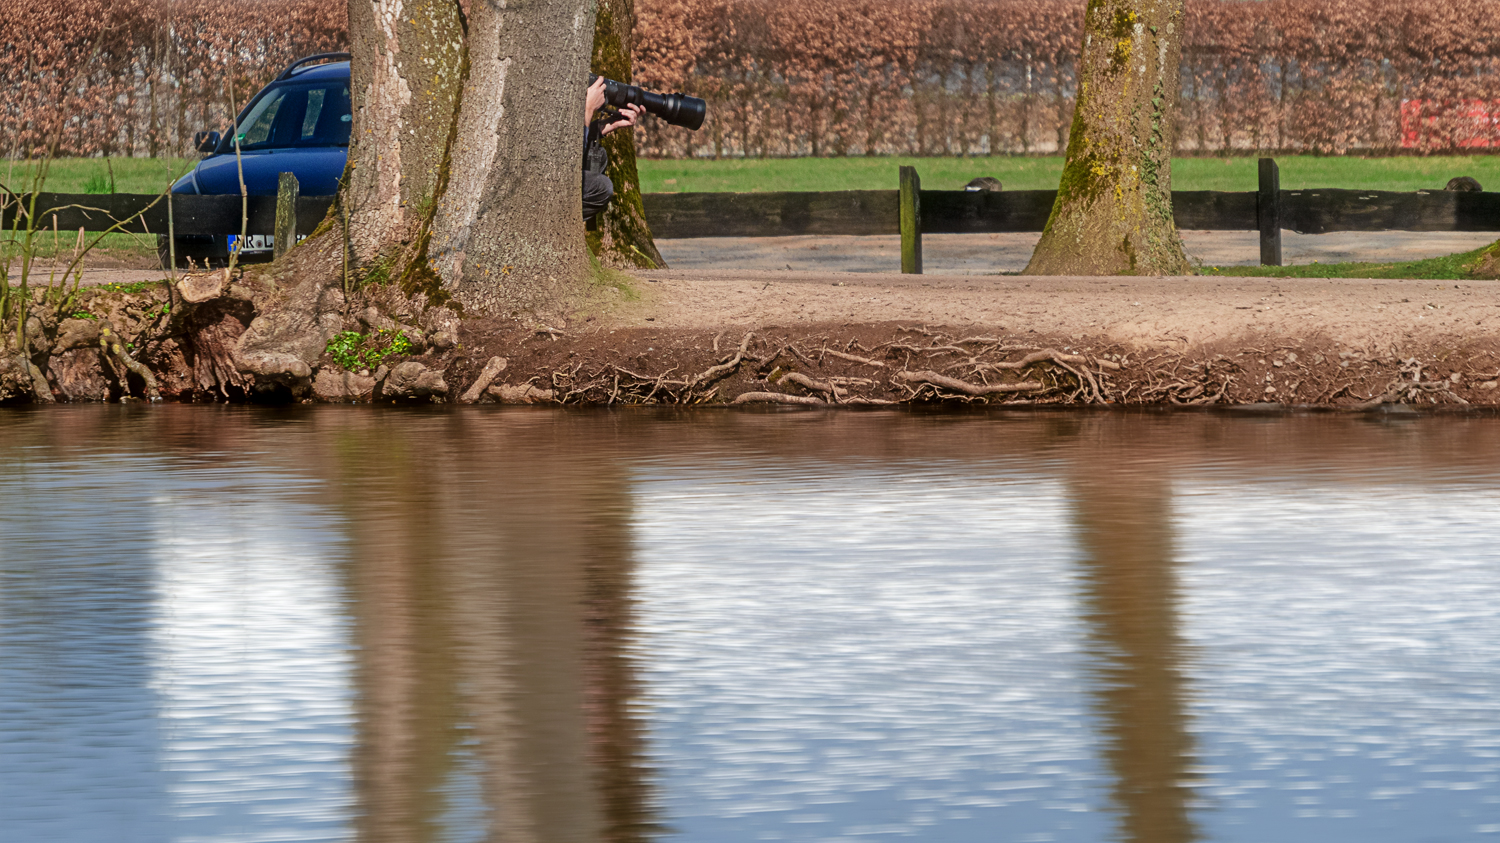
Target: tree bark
x=507 y=237
x=406 y=70
x=623 y=238
x=1113 y=214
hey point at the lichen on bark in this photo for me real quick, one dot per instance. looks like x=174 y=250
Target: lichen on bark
x=406 y=73
x=1113 y=214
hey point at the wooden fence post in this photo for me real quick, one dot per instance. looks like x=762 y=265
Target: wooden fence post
x=911 y=221
x=1268 y=212
x=287 y=190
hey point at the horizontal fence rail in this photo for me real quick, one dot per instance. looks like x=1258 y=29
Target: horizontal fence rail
x=867 y=212
x=854 y=212
x=1269 y=210
x=1318 y=211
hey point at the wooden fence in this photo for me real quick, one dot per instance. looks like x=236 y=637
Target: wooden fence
x=1269 y=210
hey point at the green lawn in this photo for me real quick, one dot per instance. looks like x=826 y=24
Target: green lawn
x=1446 y=268
x=148 y=175
x=92 y=175
x=747 y=175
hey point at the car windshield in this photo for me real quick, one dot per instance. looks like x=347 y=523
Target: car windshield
x=315 y=114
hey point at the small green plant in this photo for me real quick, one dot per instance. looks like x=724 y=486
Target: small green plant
x=353 y=350
x=379 y=272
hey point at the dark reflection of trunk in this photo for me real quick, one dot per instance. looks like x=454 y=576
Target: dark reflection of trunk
x=1129 y=590
x=617 y=742
x=407 y=673
x=495 y=611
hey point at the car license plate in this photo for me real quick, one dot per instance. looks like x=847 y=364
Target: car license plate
x=257 y=243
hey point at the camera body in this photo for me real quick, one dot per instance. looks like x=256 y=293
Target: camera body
x=677 y=109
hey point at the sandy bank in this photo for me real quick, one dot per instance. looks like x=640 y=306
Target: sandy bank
x=1137 y=312
x=816 y=338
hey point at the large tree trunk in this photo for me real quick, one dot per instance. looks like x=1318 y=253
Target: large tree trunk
x=1113 y=214
x=463 y=176
x=405 y=76
x=508 y=235
x=623 y=238
x=405 y=68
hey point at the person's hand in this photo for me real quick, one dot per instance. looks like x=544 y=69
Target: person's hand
x=593 y=101
x=628 y=117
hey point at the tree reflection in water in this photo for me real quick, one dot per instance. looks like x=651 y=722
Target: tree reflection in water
x=1122 y=511
x=493 y=619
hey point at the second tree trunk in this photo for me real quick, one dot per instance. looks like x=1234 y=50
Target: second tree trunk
x=1113 y=214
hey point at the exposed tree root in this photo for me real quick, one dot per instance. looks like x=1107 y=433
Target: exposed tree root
x=776 y=398
x=1411 y=389
x=808 y=383
x=114 y=347
x=723 y=370
x=487 y=376
x=41 y=390
x=966 y=388
x=852 y=358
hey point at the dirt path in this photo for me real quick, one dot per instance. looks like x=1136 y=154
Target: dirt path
x=1141 y=312
x=975 y=254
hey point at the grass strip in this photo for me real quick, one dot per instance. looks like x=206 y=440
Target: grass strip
x=1446 y=268
x=1017 y=173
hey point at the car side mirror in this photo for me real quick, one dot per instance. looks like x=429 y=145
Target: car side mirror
x=206 y=141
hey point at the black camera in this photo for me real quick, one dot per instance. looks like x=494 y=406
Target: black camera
x=678 y=109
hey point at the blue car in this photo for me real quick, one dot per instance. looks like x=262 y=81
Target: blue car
x=298 y=124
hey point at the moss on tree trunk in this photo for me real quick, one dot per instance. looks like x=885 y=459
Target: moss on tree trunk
x=406 y=73
x=1113 y=214
x=623 y=238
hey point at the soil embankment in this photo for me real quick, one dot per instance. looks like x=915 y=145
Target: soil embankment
x=866 y=338
x=692 y=337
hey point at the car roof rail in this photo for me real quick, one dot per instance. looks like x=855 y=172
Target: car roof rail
x=286 y=74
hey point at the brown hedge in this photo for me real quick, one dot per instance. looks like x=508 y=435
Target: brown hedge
x=966 y=77
x=815 y=77
x=123 y=77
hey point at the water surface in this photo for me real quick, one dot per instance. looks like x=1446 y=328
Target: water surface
x=228 y=624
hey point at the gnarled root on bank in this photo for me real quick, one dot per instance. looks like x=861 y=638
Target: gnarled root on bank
x=39 y=386
x=776 y=398
x=802 y=378
x=487 y=376
x=1409 y=388
x=943 y=382
x=114 y=347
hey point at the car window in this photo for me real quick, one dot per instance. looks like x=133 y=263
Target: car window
x=326 y=121
x=257 y=126
x=299 y=115
x=315 y=98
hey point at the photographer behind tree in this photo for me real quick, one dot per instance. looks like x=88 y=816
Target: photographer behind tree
x=677 y=109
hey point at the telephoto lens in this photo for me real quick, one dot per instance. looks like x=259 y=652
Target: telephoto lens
x=678 y=109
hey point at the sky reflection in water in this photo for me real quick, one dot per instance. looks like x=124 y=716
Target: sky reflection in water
x=340 y=624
